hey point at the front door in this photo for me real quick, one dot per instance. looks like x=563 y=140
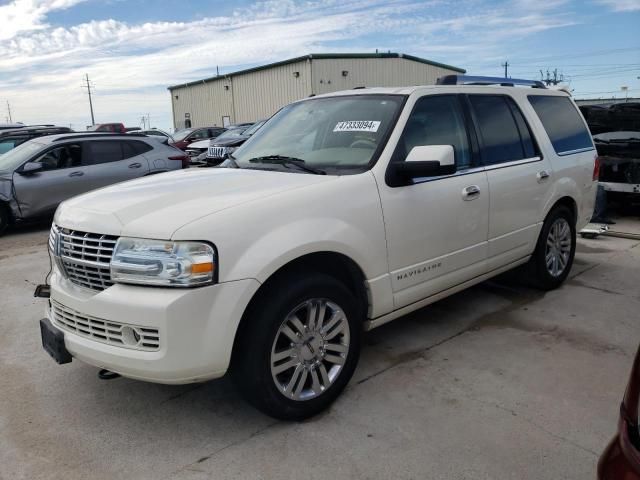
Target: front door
x=437 y=227
x=63 y=176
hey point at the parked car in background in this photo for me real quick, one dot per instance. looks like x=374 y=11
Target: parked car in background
x=39 y=174
x=8 y=126
x=621 y=458
x=220 y=148
x=200 y=147
x=156 y=132
x=619 y=162
x=108 y=128
x=183 y=138
x=11 y=138
x=343 y=212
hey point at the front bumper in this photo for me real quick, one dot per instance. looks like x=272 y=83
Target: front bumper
x=196 y=327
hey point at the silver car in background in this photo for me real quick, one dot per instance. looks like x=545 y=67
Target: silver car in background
x=38 y=175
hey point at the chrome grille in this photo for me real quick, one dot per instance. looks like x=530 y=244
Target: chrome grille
x=216 y=152
x=84 y=256
x=105 y=331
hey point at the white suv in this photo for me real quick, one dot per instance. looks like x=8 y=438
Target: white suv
x=344 y=212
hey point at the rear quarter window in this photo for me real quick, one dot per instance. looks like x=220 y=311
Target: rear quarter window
x=562 y=122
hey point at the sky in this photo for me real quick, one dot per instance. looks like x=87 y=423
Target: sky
x=133 y=50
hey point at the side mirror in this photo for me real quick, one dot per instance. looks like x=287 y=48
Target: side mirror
x=30 y=168
x=422 y=161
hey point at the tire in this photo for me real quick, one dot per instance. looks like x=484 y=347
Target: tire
x=286 y=369
x=4 y=218
x=552 y=259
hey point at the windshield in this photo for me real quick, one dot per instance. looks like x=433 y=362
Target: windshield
x=234 y=132
x=253 y=128
x=14 y=158
x=182 y=134
x=327 y=133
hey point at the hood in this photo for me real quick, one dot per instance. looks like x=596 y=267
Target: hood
x=230 y=142
x=158 y=205
x=199 y=144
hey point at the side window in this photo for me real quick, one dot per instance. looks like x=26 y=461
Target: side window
x=499 y=133
x=200 y=134
x=103 y=151
x=562 y=122
x=137 y=147
x=8 y=144
x=65 y=156
x=436 y=120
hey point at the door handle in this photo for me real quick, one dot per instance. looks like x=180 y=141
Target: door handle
x=76 y=174
x=542 y=175
x=135 y=165
x=471 y=192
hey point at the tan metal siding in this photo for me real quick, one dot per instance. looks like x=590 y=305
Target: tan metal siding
x=260 y=94
x=372 y=72
x=205 y=102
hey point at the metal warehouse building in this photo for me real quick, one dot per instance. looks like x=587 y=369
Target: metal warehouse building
x=257 y=93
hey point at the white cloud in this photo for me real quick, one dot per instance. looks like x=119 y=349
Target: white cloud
x=621 y=5
x=20 y=16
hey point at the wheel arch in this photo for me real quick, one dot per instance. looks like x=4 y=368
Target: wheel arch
x=566 y=201
x=334 y=264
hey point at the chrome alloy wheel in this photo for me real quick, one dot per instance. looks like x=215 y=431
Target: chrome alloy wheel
x=310 y=349
x=558 y=247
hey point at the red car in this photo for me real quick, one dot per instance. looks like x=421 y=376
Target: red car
x=108 y=127
x=621 y=459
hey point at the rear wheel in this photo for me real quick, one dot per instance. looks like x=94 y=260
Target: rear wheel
x=552 y=259
x=299 y=348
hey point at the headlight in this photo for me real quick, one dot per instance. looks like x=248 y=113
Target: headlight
x=156 y=262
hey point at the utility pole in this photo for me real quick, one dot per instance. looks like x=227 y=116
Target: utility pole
x=506 y=68
x=88 y=87
x=9 y=110
x=552 y=80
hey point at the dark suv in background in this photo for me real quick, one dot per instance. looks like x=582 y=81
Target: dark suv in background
x=11 y=138
x=182 y=138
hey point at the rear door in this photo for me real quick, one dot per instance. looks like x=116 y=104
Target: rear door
x=63 y=176
x=519 y=178
x=113 y=161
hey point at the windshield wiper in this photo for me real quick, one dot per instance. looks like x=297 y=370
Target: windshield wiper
x=286 y=161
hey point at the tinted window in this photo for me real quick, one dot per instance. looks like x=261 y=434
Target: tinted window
x=200 y=134
x=7 y=144
x=436 y=120
x=136 y=146
x=562 y=122
x=499 y=134
x=104 y=151
x=66 y=156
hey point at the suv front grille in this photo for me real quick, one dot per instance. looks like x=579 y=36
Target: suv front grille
x=105 y=331
x=84 y=257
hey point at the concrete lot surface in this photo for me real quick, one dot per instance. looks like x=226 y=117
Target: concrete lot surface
x=498 y=382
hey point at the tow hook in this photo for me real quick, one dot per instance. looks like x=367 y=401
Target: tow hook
x=105 y=374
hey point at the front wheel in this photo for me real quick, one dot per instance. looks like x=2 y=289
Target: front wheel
x=552 y=259
x=299 y=347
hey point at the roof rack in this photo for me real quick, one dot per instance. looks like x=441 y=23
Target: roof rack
x=97 y=134
x=475 y=80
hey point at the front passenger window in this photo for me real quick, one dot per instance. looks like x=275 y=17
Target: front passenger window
x=66 y=156
x=436 y=120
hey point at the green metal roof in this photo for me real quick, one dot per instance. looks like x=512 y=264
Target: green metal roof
x=322 y=56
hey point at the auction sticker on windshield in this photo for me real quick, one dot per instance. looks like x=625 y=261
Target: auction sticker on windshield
x=357 y=126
